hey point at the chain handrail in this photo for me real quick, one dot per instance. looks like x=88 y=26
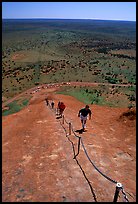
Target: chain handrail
x=75 y=155
x=124 y=195
x=95 y=165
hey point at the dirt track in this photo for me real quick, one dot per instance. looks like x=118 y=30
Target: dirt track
x=56 y=85
x=37 y=157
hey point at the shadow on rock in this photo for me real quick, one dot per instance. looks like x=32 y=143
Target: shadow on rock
x=80 y=131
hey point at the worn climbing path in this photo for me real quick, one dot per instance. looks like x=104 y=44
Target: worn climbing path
x=38 y=160
x=37 y=157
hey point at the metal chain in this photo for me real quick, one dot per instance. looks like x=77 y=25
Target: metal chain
x=65 y=120
x=74 y=133
x=95 y=166
x=122 y=190
x=124 y=194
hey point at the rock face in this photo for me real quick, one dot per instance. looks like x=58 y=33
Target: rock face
x=38 y=163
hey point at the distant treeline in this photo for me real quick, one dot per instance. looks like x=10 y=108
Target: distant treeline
x=125 y=28
x=106 y=51
x=124 y=56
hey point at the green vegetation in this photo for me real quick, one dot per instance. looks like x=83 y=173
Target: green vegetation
x=47 y=51
x=102 y=95
x=84 y=94
x=15 y=106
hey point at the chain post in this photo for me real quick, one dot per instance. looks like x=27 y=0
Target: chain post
x=118 y=188
x=63 y=119
x=69 y=128
x=78 y=148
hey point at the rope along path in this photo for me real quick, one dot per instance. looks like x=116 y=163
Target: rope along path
x=80 y=141
x=91 y=188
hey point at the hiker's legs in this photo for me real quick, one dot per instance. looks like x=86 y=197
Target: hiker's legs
x=84 y=124
x=83 y=121
x=61 y=112
x=57 y=111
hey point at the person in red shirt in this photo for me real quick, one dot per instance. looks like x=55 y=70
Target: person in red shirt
x=61 y=108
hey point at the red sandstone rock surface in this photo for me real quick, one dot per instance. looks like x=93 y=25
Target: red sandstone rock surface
x=37 y=153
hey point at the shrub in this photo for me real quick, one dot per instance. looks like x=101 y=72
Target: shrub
x=132 y=98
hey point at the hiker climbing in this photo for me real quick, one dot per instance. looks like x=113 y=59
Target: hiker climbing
x=83 y=114
x=58 y=111
x=52 y=104
x=61 y=108
x=47 y=102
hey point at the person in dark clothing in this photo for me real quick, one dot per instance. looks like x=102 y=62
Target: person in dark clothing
x=83 y=113
x=52 y=104
x=47 y=102
x=58 y=111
